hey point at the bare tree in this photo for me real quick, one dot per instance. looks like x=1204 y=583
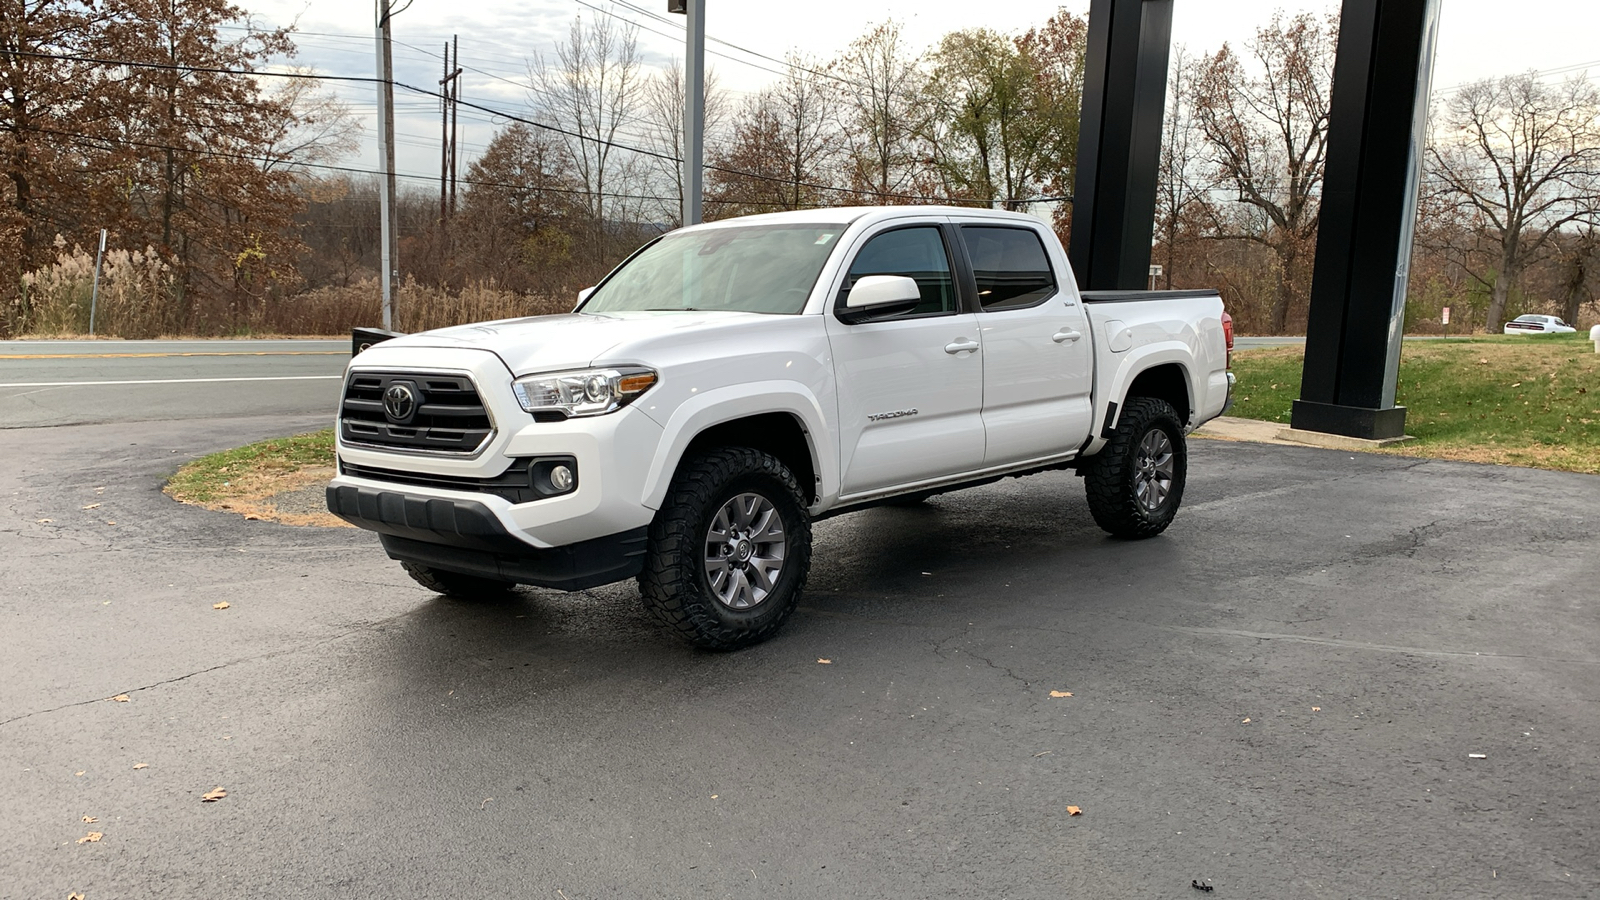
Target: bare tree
x=881 y=114
x=593 y=90
x=782 y=149
x=663 y=126
x=319 y=127
x=1520 y=160
x=1266 y=129
x=1183 y=180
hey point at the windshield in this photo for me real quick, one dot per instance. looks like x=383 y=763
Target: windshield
x=753 y=268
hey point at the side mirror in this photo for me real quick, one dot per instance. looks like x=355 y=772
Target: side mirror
x=584 y=295
x=875 y=296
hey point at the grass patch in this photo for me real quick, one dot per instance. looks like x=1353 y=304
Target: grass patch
x=1513 y=399
x=245 y=479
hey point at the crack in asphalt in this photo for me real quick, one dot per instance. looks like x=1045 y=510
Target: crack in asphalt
x=939 y=651
x=1363 y=645
x=287 y=651
x=1297 y=487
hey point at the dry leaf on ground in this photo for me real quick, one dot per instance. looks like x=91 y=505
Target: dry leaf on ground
x=1059 y=694
x=92 y=837
x=1316 y=709
x=80 y=773
x=121 y=698
x=74 y=896
x=90 y=820
x=92 y=506
x=825 y=662
x=1074 y=811
x=1245 y=722
x=45 y=521
x=141 y=766
x=213 y=796
x=223 y=605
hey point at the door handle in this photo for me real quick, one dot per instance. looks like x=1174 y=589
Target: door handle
x=961 y=345
x=1065 y=337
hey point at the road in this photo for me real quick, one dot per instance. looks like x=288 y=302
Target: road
x=1278 y=697
x=87 y=382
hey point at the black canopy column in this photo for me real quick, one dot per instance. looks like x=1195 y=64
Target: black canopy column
x=1377 y=123
x=1119 y=142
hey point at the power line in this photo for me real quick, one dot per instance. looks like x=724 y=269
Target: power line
x=291 y=163
x=788 y=66
x=514 y=118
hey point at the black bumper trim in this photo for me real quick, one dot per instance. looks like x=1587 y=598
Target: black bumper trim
x=464 y=536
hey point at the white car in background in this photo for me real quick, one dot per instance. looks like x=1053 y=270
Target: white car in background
x=1538 y=325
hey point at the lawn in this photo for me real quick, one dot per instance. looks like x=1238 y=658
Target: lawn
x=1516 y=400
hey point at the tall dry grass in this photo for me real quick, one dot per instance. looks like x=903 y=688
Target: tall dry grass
x=137 y=297
x=417 y=307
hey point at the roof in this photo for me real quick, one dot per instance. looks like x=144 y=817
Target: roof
x=847 y=215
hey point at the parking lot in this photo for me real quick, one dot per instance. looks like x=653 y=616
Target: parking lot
x=1280 y=697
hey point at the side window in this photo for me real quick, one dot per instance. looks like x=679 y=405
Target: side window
x=915 y=253
x=1010 y=266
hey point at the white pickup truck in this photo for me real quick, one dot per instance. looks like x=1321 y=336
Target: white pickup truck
x=731 y=383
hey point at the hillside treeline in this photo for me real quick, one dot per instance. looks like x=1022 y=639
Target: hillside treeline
x=158 y=122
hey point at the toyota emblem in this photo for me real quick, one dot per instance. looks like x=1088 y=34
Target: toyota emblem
x=399 y=402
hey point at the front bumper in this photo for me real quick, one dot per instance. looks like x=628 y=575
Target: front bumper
x=481 y=502
x=467 y=536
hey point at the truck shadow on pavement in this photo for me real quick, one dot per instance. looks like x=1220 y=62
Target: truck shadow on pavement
x=991 y=553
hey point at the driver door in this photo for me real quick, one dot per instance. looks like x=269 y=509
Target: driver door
x=910 y=386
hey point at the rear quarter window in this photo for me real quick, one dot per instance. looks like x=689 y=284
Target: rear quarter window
x=1010 y=266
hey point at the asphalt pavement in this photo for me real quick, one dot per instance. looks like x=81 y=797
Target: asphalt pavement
x=1281 y=697
x=87 y=382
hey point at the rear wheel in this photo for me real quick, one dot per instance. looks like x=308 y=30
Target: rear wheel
x=1135 y=483
x=729 y=550
x=455 y=584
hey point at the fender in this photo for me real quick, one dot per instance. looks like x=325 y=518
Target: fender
x=1129 y=367
x=736 y=402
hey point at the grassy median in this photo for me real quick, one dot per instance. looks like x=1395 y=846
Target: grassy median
x=1515 y=400
x=255 y=479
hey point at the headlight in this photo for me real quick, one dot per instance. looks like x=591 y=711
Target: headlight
x=587 y=392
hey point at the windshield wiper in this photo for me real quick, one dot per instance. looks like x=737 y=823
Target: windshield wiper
x=671 y=309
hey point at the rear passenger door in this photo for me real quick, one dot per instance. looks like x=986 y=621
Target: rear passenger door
x=1038 y=365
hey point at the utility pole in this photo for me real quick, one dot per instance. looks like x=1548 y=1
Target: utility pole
x=694 y=104
x=449 y=97
x=389 y=256
x=444 y=147
x=455 y=111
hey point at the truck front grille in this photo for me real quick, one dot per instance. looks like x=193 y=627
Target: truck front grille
x=425 y=413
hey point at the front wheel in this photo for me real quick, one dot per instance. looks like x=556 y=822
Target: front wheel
x=1135 y=483
x=729 y=550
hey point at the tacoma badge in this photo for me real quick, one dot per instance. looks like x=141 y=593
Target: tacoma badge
x=879 y=417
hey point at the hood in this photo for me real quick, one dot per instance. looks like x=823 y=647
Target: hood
x=572 y=341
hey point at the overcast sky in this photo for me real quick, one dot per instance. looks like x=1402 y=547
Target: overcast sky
x=1478 y=39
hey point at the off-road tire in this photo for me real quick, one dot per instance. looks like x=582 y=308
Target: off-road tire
x=1111 y=477
x=674 y=583
x=456 y=584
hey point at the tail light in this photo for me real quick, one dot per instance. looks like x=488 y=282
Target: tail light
x=1227 y=335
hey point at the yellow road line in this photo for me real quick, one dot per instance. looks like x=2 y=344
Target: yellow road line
x=159 y=355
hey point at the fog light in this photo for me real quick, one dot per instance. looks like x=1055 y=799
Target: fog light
x=561 y=478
